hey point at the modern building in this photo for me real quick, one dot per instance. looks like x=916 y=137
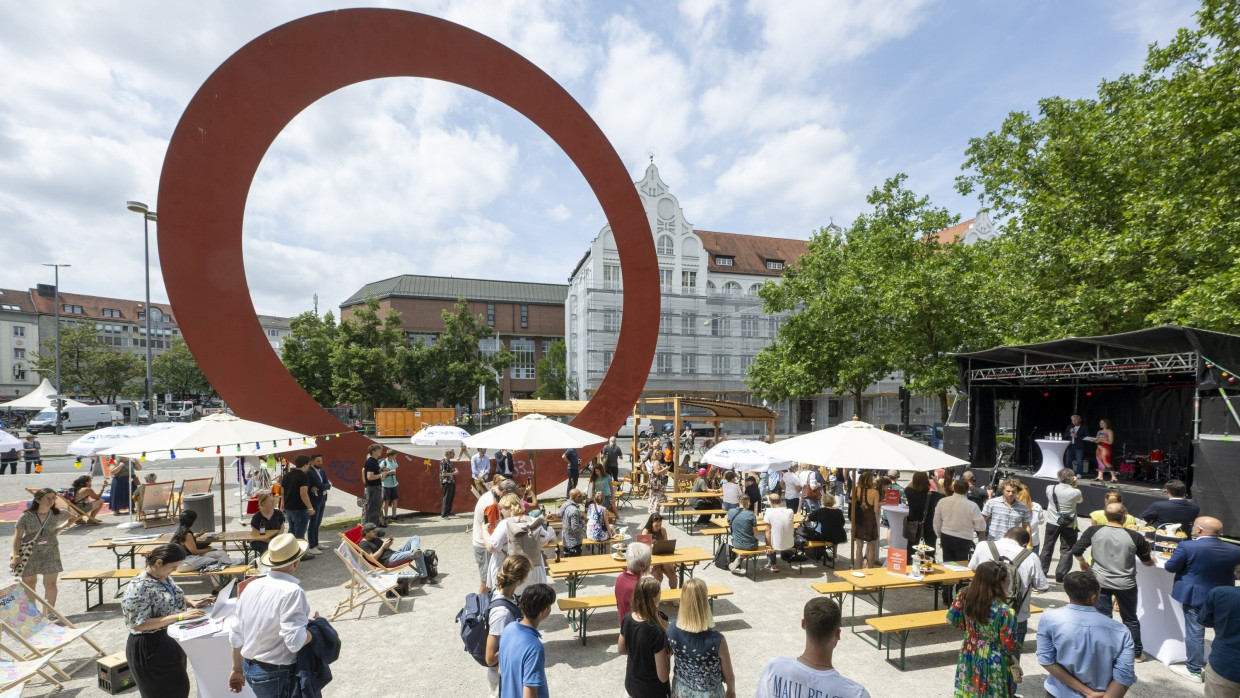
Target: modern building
x=276 y=329
x=526 y=317
x=19 y=342
x=711 y=323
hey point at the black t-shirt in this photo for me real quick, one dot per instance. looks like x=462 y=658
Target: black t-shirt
x=292 y=483
x=917 y=504
x=372 y=546
x=612 y=455
x=754 y=494
x=830 y=524
x=272 y=524
x=978 y=496
x=371 y=466
x=642 y=641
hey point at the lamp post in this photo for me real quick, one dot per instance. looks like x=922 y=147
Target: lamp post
x=57 y=311
x=147 y=216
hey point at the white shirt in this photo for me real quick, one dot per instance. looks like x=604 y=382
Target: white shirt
x=1030 y=571
x=792 y=485
x=780 y=519
x=479 y=465
x=480 y=518
x=785 y=676
x=957 y=516
x=271 y=619
x=731 y=493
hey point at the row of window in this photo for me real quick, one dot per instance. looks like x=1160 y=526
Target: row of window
x=688 y=281
x=720 y=364
x=165 y=331
x=692 y=325
x=525 y=315
x=5 y=306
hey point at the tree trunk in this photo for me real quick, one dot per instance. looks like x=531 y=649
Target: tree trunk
x=943 y=406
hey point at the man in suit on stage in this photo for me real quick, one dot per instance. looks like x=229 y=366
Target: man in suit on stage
x=1075 y=434
x=1176 y=509
x=1200 y=565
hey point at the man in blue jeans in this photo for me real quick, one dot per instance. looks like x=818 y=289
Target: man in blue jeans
x=1200 y=566
x=270 y=627
x=298 y=504
x=319 y=485
x=378 y=544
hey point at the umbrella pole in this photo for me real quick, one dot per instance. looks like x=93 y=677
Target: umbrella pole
x=223 y=500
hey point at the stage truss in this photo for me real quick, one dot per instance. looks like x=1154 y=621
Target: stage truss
x=1092 y=369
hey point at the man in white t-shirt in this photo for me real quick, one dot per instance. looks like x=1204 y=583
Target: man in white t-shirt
x=812 y=673
x=779 y=529
x=1011 y=548
x=481 y=527
x=792 y=487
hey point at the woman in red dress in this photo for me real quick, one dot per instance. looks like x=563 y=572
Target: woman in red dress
x=1105 y=438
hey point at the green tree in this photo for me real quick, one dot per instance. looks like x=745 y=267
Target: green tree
x=366 y=357
x=307 y=354
x=552 y=373
x=1120 y=208
x=458 y=366
x=175 y=371
x=87 y=364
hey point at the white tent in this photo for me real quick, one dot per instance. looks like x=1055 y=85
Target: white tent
x=857 y=444
x=37 y=399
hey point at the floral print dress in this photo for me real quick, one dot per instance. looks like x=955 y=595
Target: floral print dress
x=596 y=522
x=698 y=672
x=984 y=667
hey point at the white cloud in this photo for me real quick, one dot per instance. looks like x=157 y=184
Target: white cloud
x=806 y=35
x=559 y=213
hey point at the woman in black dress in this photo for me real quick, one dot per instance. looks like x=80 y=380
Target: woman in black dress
x=152 y=602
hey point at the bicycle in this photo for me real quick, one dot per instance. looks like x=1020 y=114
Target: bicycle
x=706 y=446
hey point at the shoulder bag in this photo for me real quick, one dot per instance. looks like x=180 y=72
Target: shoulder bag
x=912 y=529
x=27 y=549
x=1063 y=520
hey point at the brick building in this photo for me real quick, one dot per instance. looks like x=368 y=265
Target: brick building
x=527 y=317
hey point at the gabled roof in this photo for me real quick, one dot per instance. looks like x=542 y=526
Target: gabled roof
x=21 y=299
x=92 y=306
x=750 y=253
x=952 y=234
x=451 y=288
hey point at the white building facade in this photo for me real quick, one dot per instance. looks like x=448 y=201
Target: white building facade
x=19 y=343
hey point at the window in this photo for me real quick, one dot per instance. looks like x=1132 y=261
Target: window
x=523 y=363
x=753 y=290
x=487 y=346
x=688 y=281
x=611 y=321
x=546 y=346
x=720 y=364
x=721 y=261
x=665 y=245
x=775 y=264
x=71 y=309
x=607 y=359
x=9 y=307
x=746 y=362
x=688 y=324
x=19 y=373
x=665 y=280
x=720 y=326
x=426 y=339
x=663 y=363
x=111 y=312
x=491 y=314
x=749 y=326
x=665 y=323
x=19 y=331
x=688 y=364
x=710 y=288
x=732 y=288
x=19 y=353
x=156 y=315
x=273 y=333
x=525 y=317
x=774 y=322
x=611 y=276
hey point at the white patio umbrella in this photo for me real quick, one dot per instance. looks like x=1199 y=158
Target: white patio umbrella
x=107 y=437
x=860 y=445
x=531 y=433
x=9 y=442
x=431 y=441
x=214 y=436
x=745 y=456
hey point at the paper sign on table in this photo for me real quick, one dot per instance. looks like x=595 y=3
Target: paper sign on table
x=897 y=561
x=892 y=497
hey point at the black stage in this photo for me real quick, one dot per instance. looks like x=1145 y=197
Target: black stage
x=1137 y=495
x=1167 y=392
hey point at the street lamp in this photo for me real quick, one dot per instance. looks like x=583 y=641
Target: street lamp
x=147 y=216
x=57 y=311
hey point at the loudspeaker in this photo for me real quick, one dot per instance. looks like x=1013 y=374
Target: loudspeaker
x=956 y=441
x=1216 y=418
x=1216 y=489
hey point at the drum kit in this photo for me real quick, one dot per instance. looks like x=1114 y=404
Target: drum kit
x=1156 y=466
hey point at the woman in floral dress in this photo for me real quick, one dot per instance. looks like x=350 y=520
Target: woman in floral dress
x=703 y=663
x=989 y=624
x=658 y=482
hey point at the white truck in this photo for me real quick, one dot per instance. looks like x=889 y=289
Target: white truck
x=179 y=411
x=84 y=417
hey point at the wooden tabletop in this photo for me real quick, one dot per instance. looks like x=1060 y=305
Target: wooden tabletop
x=879 y=577
x=708 y=494
x=723 y=521
x=244 y=535
x=605 y=563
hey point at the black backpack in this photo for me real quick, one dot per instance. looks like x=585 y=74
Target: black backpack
x=476 y=625
x=431 y=558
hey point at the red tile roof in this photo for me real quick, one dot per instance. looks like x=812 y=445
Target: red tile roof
x=949 y=235
x=92 y=306
x=750 y=253
x=21 y=299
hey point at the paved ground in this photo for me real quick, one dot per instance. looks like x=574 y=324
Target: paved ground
x=418 y=652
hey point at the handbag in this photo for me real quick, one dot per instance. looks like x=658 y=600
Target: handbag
x=1064 y=521
x=912 y=529
x=27 y=549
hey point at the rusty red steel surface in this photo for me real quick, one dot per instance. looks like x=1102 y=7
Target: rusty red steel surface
x=221 y=139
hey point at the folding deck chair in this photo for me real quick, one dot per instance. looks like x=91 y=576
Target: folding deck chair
x=39 y=634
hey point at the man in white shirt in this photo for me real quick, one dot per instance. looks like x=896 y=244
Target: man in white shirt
x=813 y=673
x=956 y=523
x=271 y=620
x=1061 y=501
x=1011 y=548
x=480 y=469
x=779 y=533
x=792 y=488
x=481 y=527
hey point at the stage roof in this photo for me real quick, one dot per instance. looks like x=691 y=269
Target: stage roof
x=1163 y=348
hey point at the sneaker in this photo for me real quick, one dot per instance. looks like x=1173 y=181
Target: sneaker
x=325 y=546
x=770 y=568
x=1182 y=670
x=1140 y=657
x=738 y=571
x=310 y=555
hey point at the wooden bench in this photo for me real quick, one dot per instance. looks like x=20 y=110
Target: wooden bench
x=898 y=627
x=750 y=559
x=689 y=514
x=95 y=579
x=580 y=608
x=835 y=590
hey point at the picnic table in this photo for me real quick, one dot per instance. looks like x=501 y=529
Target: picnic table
x=722 y=522
x=128 y=547
x=573 y=569
x=876 y=581
x=707 y=494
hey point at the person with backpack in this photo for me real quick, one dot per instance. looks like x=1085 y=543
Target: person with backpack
x=518 y=534
x=1025 y=575
x=502 y=611
x=989 y=625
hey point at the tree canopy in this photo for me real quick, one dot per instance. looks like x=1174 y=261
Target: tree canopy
x=552 y=373
x=87 y=364
x=175 y=371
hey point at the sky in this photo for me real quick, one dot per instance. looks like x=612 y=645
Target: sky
x=764 y=118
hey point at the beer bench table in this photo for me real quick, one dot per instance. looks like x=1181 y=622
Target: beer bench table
x=898 y=628
x=128 y=547
x=876 y=581
x=580 y=608
x=573 y=569
x=95 y=578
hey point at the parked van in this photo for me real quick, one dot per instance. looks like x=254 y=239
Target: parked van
x=84 y=417
x=179 y=411
x=626 y=431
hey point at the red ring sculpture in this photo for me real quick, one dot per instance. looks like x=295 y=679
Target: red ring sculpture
x=231 y=122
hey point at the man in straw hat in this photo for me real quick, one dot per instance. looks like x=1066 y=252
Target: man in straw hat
x=271 y=623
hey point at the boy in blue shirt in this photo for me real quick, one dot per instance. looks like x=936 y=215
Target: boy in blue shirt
x=522 y=659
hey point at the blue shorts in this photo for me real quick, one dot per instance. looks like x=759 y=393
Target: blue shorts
x=389 y=494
